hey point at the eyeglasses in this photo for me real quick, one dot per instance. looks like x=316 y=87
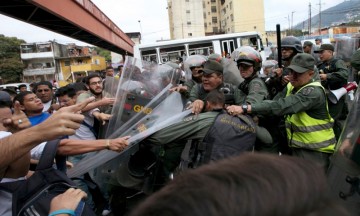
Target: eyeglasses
x=96 y=83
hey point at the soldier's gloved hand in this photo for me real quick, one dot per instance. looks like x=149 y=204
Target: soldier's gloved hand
x=197 y=106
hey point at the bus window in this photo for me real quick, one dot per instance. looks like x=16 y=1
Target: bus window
x=149 y=55
x=228 y=46
x=254 y=44
x=171 y=53
x=200 y=48
x=249 y=41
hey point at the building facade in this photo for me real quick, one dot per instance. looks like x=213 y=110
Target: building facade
x=53 y=61
x=194 y=18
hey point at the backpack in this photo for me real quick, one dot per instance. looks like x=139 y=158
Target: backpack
x=33 y=195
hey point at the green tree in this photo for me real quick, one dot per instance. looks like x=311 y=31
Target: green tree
x=104 y=53
x=11 y=66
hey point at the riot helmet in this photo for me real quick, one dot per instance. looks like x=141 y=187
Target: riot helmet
x=195 y=61
x=247 y=55
x=215 y=57
x=192 y=65
x=292 y=42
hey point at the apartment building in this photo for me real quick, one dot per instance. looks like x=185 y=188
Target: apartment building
x=194 y=18
x=63 y=63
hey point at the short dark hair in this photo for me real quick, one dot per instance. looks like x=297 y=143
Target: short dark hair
x=109 y=67
x=93 y=75
x=249 y=184
x=22 y=85
x=20 y=97
x=216 y=97
x=42 y=83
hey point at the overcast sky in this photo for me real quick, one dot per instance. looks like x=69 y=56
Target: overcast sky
x=153 y=18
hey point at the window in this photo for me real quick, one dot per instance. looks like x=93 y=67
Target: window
x=215 y=29
x=187 y=11
x=189 y=23
x=208 y=13
x=213 y=1
x=213 y=9
x=67 y=62
x=232 y=17
x=190 y=34
x=214 y=20
x=205 y=25
x=204 y=15
x=186 y=0
x=230 y=5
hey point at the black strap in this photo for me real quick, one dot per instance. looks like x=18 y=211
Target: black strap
x=92 y=129
x=48 y=156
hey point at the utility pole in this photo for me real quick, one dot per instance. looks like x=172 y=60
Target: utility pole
x=319 y=17
x=140 y=30
x=292 y=21
x=309 y=25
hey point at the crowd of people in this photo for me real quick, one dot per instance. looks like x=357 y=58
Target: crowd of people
x=240 y=104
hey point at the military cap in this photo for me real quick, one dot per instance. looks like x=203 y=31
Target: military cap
x=212 y=66
x=302 y=62
x=325 y=47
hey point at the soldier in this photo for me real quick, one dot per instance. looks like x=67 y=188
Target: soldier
x=214 y=123
x=249 y=63
x=334 y=75
x=307 y=47
x=308 y=122
x=213 y=79
x=194 y=63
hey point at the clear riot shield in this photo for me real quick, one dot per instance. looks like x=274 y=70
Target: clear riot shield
x=142 y=107
x=345 y=48
x=110 y=86
x=344 y=170
x=140 y=83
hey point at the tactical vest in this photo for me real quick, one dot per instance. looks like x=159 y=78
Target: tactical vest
x=244 y=86
x=306 y=132
x=228 y=136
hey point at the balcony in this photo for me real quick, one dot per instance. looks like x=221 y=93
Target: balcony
x=38 y=71
x=37 y=55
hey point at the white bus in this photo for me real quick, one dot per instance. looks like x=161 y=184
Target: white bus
x=224 y=44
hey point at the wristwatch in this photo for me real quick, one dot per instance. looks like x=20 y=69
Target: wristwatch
x=245 y=108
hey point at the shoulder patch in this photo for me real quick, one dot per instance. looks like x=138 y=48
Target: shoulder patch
x=189 y=118
x=256 y=87
x=307 y=91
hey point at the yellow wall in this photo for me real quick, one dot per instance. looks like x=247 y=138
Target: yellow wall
x=88 y=64
x=249 y=16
